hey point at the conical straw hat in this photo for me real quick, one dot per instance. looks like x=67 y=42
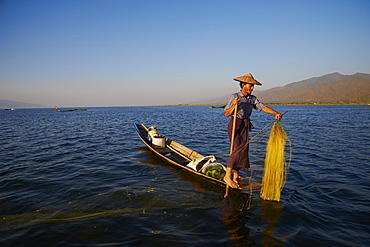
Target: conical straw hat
x=248 y=79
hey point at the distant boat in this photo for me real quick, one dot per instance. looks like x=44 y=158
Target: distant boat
x=220 y=106
x=9 y=109
x=58 y=110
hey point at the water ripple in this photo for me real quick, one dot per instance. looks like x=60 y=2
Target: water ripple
x=84 y=178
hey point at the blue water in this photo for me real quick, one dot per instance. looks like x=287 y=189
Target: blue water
x=85 y=178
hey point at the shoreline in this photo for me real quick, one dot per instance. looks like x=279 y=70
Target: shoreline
x=267 y=104
x=210 y=105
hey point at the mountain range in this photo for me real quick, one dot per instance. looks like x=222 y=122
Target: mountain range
x=332 y=88
x=6 y=104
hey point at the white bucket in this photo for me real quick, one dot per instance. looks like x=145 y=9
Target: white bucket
x=159 y=142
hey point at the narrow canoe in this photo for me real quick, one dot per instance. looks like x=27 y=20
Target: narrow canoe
x=58 y=110
x=179 y=156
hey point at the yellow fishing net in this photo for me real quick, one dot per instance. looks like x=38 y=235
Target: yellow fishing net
x=275 y=171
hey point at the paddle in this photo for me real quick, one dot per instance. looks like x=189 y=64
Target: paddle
x=232 y=145
x=233 y=130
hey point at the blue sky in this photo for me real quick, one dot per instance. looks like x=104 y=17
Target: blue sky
x=136 y=52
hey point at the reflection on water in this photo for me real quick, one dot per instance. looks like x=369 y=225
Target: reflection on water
x=234 y=218
x=270 y=213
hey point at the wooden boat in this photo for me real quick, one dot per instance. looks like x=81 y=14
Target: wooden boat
x=220 y=106
x=179 y=156
x=58 y=110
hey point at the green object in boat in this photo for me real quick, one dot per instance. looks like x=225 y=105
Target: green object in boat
x=215 y=171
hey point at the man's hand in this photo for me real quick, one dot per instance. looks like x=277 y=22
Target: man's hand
x=278 y=116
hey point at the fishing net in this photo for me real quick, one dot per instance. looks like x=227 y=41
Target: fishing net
x=275 y=171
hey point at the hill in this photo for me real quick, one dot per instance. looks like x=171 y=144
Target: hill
x=333 y=88
x=4 y=104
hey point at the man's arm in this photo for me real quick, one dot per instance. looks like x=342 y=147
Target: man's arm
x=269 y=110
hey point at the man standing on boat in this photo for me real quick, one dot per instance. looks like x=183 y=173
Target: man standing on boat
x=241 y=104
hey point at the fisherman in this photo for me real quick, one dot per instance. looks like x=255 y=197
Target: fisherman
x=244 y=101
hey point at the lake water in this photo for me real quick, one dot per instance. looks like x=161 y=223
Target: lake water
x=86 y=179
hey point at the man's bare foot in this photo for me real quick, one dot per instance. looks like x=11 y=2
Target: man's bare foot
x=230 y=182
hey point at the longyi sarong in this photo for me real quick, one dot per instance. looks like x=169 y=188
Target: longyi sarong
x=239 y=159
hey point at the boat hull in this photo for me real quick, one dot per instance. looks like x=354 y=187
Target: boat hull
x=180 y=155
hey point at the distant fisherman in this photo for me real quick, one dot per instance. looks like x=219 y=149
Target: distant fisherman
x=245 y=102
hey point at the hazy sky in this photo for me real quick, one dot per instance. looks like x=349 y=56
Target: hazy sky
x=136 y=52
